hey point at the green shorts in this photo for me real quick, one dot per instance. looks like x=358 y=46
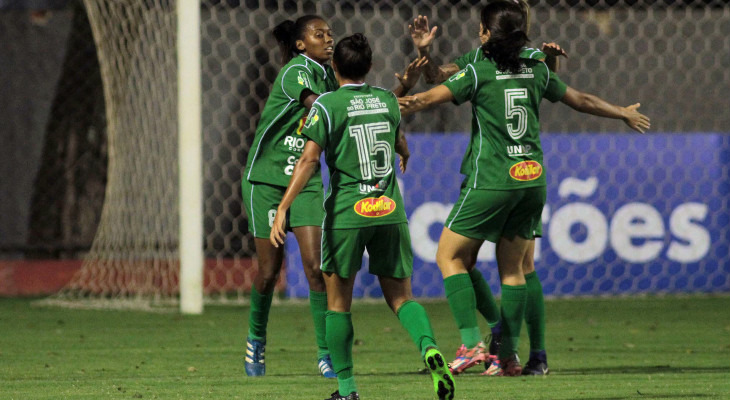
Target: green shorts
x=261 y=201
x=389 y=248
x=490 y=214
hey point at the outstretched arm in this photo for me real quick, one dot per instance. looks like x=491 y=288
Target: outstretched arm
x=421 y=101
x=303 y=171
x=590 y=104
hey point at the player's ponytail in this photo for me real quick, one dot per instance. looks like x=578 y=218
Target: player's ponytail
x=353 y=56
x=505 y=22
x=288 y=32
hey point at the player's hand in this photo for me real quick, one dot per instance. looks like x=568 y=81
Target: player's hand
x=278 y=229
x=636 y=120
x=420 y=33
x=408 y=104
x=553 y=49
x=412 y=73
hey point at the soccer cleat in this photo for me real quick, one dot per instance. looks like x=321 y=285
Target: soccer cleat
x=468 y=358
x=537 y=364
x=325 y=367
x=510 y=366
x=492 y=366
x=254 y=362
x=443 y=381
x=336 y=396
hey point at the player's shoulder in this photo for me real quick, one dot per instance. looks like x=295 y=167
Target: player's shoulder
x=327 y=98
x=380 y=90
x=532 y=53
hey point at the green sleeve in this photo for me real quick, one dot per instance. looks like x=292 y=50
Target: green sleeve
x=317 y=125
x=295 y=80
x=555 y=87
x=465 y=59
x=462 y=84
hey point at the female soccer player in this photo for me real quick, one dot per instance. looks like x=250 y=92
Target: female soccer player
x=503 y=194
x=306 y=46
x=357 y=126
x=470 y=353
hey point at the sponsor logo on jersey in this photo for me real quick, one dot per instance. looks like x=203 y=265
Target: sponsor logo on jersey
x=375 y=207
x=310 y=119
x=458 y=75
x=303 y=79
x=519 y=150
x=526 y=170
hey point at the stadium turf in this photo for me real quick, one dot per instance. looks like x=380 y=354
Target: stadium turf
x=599 y=349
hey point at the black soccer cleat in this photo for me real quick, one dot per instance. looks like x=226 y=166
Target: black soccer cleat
x=537 y=365
x=336 y=396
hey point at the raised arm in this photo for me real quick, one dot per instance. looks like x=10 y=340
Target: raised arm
x=303 y=171
x=410 y=76
x=590 y=104
x=423 y=38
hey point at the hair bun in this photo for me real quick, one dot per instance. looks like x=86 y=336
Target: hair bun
x=359 y=41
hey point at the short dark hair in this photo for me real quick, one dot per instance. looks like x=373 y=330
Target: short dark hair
x=506 y=22
x=353 y=56
x=288 y=32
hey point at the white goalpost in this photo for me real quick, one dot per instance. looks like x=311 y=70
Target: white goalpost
x=190 y=156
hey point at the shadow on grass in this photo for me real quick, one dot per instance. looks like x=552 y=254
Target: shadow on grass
x=630 y=369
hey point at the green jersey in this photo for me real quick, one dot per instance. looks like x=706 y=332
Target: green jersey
x=357 y=126
x=278 y=143
x=504 y=151
x=477 y=55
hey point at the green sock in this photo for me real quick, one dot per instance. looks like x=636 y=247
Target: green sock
x=514 y=299
x=339 y=340
x=413 y=317
x=318 y=307
x=258 y=316
x=460 y=293
x=535 y=312
x=486 y=304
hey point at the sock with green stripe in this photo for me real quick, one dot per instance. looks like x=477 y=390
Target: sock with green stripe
x=340 y=336
x=535 y=312
x=258 y=316
x=318 y=307
x=460 y=294
x=514 y=299
x=413 y=317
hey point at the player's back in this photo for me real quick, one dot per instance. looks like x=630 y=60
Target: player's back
x=361 y=126
x=506 y=123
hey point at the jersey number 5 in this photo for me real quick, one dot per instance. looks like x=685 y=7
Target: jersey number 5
x=518 y=128
x=368 y=146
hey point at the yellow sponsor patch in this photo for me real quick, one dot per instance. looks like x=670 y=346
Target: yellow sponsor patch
x=526 y=170
x=375 y=207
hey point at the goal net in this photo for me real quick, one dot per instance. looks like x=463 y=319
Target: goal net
x=668 y=55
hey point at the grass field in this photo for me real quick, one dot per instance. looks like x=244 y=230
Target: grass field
x=600 y=349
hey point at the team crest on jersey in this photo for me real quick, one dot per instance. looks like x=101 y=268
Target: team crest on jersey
x=457 y=75
x=528 y=170
x=375 y=207
x=312 y=118
x=303 y=79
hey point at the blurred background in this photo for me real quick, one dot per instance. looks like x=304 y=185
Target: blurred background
x=89 y=166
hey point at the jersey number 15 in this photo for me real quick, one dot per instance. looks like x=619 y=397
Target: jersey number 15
x=368 y=146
